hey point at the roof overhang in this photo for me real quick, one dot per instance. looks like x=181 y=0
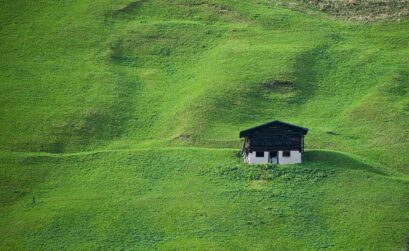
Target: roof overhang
x=297 y=129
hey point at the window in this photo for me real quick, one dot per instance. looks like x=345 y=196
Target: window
x=286 y=153
x=259 y=154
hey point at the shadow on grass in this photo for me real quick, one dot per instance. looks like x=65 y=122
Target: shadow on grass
x=126 y=9
x=338 y=160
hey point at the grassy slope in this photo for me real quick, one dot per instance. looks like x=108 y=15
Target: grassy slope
x=103 y=76
x=191 y=197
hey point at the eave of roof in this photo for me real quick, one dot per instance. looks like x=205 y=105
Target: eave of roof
x=247 y=131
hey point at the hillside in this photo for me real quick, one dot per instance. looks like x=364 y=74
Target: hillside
x=122 y=119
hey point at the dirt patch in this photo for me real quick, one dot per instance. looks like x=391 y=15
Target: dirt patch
x=361 y=10
x=216 y=7
x=183 y=136
x=280 y=86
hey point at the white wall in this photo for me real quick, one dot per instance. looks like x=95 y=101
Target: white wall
x=295 y=158
x=252 y=159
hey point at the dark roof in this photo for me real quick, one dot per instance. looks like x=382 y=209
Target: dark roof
x=274 y=123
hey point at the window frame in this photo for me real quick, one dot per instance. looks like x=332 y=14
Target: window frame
x=260 y=154
x=287 y=154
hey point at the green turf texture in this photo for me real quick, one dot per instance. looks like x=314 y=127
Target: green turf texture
x=122 y=119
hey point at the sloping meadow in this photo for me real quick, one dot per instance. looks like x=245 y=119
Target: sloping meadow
x=119 y=126
x=180 y=198
x=196 y=73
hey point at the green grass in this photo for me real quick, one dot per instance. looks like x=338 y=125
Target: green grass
x=122 y=119
x=178 y=198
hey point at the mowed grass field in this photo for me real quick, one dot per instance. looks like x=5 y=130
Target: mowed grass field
x=121 y=118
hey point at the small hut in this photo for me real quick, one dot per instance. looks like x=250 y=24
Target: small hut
x=274 y=142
